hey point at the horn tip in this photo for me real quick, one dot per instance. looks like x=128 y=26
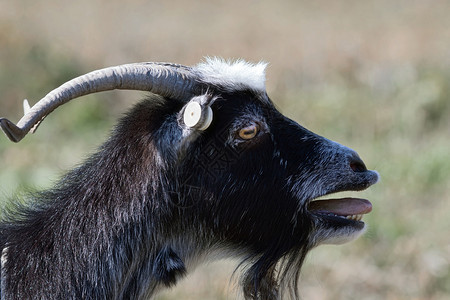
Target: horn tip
x=26 y=106
x=14 y=133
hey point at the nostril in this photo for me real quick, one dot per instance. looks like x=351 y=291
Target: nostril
x=358 y=166
x=356 y=163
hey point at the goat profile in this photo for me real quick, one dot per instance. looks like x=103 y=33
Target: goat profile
x=205 y=167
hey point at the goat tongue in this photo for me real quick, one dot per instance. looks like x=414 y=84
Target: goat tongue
x=342 y=207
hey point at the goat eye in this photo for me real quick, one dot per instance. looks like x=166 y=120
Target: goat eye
x=249 y=132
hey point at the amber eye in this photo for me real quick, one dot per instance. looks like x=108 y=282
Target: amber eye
x=249 y=132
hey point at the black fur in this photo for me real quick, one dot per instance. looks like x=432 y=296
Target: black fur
x=168 y=266
x=156 y=198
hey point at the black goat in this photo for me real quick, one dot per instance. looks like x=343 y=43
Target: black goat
x=205 y=168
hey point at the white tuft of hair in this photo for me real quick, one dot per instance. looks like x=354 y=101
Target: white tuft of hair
x=3 y=256
x=234 y=75
x=2 y=276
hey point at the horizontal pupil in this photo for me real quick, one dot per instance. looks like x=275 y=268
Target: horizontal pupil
x=249 y=132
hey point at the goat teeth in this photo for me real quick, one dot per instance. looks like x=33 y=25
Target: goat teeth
x=354 y=217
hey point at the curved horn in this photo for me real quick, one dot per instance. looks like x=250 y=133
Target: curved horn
x=168 y=80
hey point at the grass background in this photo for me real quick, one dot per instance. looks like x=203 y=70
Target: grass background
x=373 y=75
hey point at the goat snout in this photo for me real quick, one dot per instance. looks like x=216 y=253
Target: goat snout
x=359 y=168
x=356 y=163
x=349 y=157
x=346 y=170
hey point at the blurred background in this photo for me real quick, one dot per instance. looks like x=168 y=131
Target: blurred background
x=373 y=75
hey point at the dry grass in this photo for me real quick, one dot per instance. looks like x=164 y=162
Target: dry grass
x=373 y=75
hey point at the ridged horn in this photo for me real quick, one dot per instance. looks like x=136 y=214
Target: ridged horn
x=168 y=80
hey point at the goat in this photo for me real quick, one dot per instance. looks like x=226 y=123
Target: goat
x=206 y=167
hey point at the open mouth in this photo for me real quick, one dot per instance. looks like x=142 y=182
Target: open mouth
x=346 y=212
x=338 y=221
x=351 y=209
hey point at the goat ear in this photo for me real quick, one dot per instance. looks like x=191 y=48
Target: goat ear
x=197 y=113
x=168 y=266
